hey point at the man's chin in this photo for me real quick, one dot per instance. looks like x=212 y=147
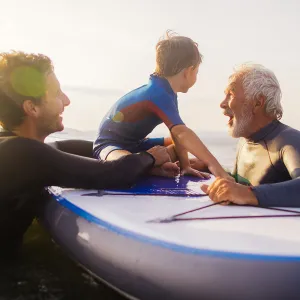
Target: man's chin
x=61 y=127
x=232 y=132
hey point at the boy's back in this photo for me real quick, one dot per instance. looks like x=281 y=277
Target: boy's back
x=136 y=114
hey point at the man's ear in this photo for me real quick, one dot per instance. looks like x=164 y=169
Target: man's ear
x=30 y=108
x=259 y=103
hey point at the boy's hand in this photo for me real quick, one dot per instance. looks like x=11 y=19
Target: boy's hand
x=226 y=190
x=198 y=164
x=160 y=155
x=168 y=169
x=193 y=172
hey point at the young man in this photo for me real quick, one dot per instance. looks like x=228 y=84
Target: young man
x=31 y=107
x=125 y=128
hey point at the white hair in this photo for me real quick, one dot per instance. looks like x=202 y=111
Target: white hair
x=260 y=81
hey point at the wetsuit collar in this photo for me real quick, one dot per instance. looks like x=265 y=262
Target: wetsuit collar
x=162 y=82
x=262 y=133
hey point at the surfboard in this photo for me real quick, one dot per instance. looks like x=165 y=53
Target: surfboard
x=164 y=238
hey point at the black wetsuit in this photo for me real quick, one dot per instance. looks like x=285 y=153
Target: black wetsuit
x=27 y=166
x=270 y=161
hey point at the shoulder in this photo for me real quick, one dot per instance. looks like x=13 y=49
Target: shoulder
x=285 y=135
x=284 y=141
x=161 y=97
x=16 y=141
x=18 y=152
x=158 y=91
x=20 y=147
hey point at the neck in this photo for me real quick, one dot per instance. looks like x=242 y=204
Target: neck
x=258 y=124
x=174 y=84
x=28 y=130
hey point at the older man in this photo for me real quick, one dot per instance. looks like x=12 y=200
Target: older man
x=267 y=167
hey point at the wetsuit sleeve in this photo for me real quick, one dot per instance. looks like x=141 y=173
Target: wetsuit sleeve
x=166 y=109
x=77 y=147
x=27 y=164
x=285 y=193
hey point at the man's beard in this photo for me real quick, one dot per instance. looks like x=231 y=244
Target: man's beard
x=241 y=127
x=50 y=124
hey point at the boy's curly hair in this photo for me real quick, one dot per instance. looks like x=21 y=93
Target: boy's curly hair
x=175 y=53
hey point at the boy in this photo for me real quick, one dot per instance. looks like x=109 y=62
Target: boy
x=124 y=128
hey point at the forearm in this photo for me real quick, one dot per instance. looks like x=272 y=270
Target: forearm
x=284 y=194
x=182 y=155
x=82 y=172
x=191 y=142
x=26 y=164
x=77 y=147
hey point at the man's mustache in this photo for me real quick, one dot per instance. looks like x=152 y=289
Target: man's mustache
x=228 y=112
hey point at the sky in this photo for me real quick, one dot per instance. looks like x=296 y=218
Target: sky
x=103 y=49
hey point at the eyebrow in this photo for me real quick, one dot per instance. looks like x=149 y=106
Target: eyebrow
x=230 y=87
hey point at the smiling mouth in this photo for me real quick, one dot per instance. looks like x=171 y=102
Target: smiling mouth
x=228 y=113
x=230 y=121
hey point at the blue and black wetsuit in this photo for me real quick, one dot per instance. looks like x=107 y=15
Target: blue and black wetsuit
x=270 y=161
x=135 y=115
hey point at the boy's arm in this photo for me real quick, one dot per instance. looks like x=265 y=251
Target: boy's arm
x=182 y=155
x=166 y=109
x=187 y=139
x=185 y=165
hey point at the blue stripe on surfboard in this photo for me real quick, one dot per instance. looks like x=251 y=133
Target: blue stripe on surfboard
x=153 y=185
x=168 y=245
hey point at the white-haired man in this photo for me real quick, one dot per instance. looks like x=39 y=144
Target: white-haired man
x=267 y=167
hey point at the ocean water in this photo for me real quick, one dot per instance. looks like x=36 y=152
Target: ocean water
x=222 y=146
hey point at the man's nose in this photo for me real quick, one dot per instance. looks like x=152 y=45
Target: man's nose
x=224 y=103
x=65 y=99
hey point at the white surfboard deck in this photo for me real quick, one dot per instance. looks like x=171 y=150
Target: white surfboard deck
x=130 y=214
